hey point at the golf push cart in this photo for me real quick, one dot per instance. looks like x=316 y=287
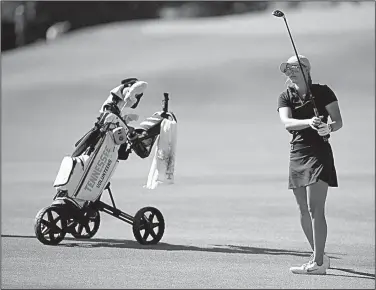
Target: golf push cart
x=85 y=174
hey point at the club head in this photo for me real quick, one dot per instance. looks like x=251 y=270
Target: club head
x=278 y=13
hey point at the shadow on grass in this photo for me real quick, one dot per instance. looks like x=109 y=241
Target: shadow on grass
x=232 y=249
x=359 y=274
x=128 y=244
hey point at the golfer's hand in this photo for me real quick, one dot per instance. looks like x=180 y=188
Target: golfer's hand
x=324 y=129
x=315 y=122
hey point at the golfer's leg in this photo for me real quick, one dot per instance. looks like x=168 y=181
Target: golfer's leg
x=305 y=218
x=316 y=200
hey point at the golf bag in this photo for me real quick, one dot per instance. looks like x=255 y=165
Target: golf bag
x=84 y=174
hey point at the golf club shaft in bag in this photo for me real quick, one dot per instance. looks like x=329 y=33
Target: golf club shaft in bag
x=279 y=13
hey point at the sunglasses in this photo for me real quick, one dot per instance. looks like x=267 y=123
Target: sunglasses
x=292 y=68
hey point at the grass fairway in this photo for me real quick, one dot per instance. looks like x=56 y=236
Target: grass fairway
x=230 y=220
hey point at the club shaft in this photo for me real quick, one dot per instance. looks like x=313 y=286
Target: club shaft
x=301 y=68
x=316 y=112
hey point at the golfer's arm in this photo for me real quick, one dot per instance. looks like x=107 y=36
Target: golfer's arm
x=291 y=123
x=335 y=116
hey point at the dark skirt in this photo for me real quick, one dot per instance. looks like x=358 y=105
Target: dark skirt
x=309 y=163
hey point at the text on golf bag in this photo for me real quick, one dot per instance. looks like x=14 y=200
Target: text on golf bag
x=97 y=175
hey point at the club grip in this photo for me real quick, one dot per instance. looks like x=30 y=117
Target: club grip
x=326 y=137
x=165 y=102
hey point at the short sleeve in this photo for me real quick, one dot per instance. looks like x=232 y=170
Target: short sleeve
x=329 y=96
x=283 y=101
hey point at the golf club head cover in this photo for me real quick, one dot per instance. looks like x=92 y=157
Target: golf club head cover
x=127 y=94
x=133 y=91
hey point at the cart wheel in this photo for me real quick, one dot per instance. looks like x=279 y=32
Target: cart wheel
x=87 y=228
x=148 y=226
x=50 y=226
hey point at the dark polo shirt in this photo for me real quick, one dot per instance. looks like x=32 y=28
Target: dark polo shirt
x=323 y=96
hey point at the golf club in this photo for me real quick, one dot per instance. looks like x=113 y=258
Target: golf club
x=279 y=14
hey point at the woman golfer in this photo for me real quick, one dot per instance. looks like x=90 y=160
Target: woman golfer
x=311 y=168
